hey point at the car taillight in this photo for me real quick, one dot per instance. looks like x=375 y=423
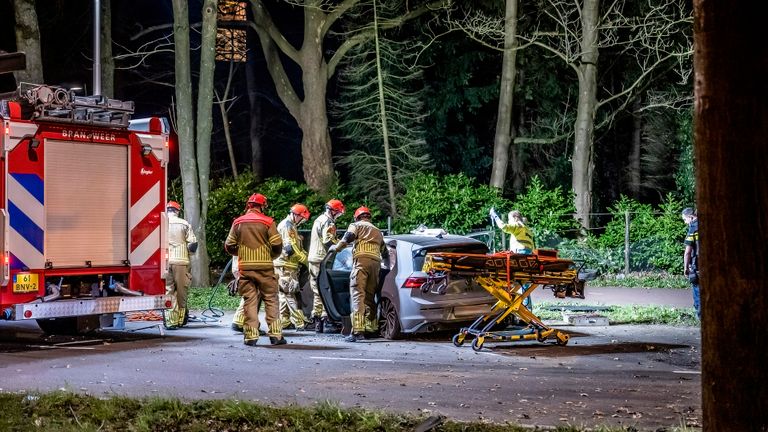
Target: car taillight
x=414 y=282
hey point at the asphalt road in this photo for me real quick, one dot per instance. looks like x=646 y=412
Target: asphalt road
x=644 y=376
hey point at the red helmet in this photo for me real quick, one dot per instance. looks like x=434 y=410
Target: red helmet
x=335 y=205
x=362 y=211
x=257 y=199
x=173 y=205
x=301 y=210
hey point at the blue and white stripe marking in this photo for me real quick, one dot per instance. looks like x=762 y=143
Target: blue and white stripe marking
x=26 y=214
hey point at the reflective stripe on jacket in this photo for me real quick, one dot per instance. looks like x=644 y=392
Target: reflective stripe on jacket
x=255 y=234
x=290 y=236
x=180 y=235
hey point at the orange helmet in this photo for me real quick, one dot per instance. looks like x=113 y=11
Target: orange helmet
x=335 y=205
x=257 y=199
x=362 y=211
x=173 y=205
x=301 y=210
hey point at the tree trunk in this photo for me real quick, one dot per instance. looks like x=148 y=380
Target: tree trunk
x=255 y=106
x=107 y=61
x=633 y=168
x=185 y=125
x=313 y=117
x=504 y=126
x=201 y=272
x=28 y=41
x=731 y=126
x=583 y=149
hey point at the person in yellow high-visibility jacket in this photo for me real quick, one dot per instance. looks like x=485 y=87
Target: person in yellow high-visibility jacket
x=520 y=240
x=181 y=242
x=287 y=267
x=520 y=236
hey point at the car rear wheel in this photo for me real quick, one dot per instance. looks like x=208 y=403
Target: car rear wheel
x=390 y=321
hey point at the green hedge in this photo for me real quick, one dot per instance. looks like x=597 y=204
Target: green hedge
x=459 y=204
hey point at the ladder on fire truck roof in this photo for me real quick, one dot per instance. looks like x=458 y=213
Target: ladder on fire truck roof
x=57 y=104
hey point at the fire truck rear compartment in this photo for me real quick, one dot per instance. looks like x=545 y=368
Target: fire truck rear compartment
x=86 y=194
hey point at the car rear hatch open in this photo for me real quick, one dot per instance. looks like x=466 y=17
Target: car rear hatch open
x=457 y=290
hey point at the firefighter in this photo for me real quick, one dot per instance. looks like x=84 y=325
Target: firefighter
x=368 y=252
x=521 y=238
x=287 y=267
x=322 y=237
x=181 y=242
x=255 y=241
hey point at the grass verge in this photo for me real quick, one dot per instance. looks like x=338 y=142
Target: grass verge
x=641 y=280
x=627 y=314
x=200 y=299
x=64 y=411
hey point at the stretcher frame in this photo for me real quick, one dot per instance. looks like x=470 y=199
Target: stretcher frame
x=510 y=278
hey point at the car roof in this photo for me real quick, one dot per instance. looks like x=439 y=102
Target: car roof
x=429 y=241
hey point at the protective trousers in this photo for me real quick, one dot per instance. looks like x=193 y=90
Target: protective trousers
x=256 y=286
x=239 y=318
x=177 y=284
x=317 y=304
x=288 y=283
x=363 y=282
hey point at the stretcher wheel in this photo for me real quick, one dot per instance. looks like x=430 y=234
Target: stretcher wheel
x=458 y=339
x=477 y=344
x=562 y=339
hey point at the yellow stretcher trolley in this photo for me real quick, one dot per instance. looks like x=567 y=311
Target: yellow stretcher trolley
x=511 y=278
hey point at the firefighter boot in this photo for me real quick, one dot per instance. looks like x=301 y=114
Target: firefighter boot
x=277 y=341
x=237 y=327
x=251 y=342
x=319 y=323
x=355 y=337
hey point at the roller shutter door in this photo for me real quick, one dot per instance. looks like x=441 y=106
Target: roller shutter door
x=86 y=204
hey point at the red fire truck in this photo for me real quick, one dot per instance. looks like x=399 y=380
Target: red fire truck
x=82 y=210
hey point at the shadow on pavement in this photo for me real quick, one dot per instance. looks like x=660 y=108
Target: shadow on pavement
x=550 y=350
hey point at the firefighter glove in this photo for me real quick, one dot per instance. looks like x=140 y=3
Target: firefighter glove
x=288 y=250
x=332 y=249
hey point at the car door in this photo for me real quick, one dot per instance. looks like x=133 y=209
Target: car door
x=333 y=283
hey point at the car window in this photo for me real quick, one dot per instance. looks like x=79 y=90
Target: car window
x=343 y=259
x=418 y=256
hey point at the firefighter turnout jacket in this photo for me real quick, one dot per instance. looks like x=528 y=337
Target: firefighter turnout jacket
x=180 y=235
x=369 y=241
x=293 y=252
x=322 y=237
x=255 y=240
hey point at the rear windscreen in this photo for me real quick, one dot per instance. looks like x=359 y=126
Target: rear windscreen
x=418 y=256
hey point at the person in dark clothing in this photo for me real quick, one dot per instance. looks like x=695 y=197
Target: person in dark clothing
x=691 y=256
